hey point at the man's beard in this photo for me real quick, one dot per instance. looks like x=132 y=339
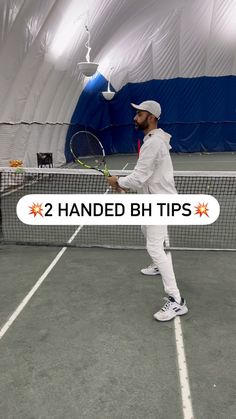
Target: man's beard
x=143 y=126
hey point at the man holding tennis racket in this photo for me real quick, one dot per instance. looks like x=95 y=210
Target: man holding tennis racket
x=153 y=174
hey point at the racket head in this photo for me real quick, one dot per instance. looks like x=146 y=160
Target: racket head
x=88 y=151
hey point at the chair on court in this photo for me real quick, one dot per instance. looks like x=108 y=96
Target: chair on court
x=44 y=160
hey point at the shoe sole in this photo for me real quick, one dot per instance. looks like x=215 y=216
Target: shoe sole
x=157 y=273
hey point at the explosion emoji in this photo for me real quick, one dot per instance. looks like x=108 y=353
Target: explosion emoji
x=36 y=209
x=202 y=209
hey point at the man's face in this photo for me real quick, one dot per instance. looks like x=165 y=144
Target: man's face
x=141 y=120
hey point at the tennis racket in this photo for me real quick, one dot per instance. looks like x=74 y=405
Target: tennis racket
x=88 y=151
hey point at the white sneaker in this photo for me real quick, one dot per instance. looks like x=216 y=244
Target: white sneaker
x=150 y=270
x=171 y=309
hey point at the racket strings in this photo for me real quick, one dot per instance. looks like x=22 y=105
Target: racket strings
x=87 y=149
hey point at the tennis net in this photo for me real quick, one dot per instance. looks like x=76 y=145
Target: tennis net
x=14 y=185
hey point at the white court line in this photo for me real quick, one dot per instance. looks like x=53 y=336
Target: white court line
x=182 y=363
x=127 y=164
x=183 y=371
x=28 y=297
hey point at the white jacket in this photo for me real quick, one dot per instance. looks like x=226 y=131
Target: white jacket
x=153 y=172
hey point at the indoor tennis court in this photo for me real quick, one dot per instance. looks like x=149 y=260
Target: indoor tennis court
x=97 y=93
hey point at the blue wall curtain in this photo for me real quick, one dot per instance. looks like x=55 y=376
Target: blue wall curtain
x=199 y=113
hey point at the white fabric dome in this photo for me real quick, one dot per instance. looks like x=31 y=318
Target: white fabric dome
x=42 y=42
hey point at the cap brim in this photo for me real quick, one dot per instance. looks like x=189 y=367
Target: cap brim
x=137 y=107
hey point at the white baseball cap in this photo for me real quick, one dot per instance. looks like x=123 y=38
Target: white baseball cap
x=150 y=106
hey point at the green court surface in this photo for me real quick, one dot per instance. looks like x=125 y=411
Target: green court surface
x=183 y=161
x=86 y=345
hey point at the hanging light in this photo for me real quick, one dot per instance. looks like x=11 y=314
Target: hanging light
x=87 y=67
x=108 y=95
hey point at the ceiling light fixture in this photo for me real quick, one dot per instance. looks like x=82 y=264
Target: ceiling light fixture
x=87 y=67
x=108 y=95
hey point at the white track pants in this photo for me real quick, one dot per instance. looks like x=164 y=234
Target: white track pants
x=155 y=238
